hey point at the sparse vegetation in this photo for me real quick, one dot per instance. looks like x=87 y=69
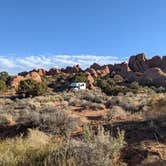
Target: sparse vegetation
x=60 y=127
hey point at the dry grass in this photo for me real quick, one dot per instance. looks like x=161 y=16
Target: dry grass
x=39 y=149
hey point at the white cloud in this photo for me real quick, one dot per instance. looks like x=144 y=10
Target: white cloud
x=5 y=62
x=25 y=63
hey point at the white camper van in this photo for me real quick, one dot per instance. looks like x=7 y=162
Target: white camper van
x=78 y=86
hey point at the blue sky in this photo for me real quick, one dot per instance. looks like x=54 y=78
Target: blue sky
x=47 y=33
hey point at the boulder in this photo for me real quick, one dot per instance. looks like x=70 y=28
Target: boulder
x=138 y=63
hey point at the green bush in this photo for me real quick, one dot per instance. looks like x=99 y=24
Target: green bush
x=80 y=77
x=31 y=88
x=3 y=86
x=148 y=81
x=4 y=76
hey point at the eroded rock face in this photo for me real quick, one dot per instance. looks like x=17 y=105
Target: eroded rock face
x=138 y=63
x=156 y=74
x=156 y=61
x=163 y=63
x=95 y=66
x=71 y=70
x=34 y=75
x=41 y=72
x=103 y=71
x=122 y=69
x=53 y=71
x=90 y=80
x=92 y=72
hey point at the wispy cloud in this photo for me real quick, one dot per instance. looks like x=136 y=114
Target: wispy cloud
x=25 y=63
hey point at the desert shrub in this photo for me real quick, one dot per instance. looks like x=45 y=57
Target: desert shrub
x=148 y=81
x=3 y=86
x=110 y=87
x=97 y=97
x=116 y=113
x=30 y=87
x=93 y=106
x=94 y=150
x=60 y=82
x=157 y=107
x=4 y=120
x=56 y=122
x=30 y=151
x=134 y=85
x=79 y=77
x=40 y=149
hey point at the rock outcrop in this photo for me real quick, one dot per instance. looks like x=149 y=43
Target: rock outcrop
x=155 y=61
x=121 y=69
x=53 y=71
x=92 y=72
x=163 y=63
x=71 y=70
x=157 y=76
x=90 y=80
x=138 y=63
x=34 y=75
x=41 y=72
x=95 y=66
x=103 y=71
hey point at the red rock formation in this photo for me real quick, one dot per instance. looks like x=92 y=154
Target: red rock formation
x=71 y=70
x=34 y=75
x=90 y=80
x=95 y=66
x=156 y=74
x=163 y=63
x=103 y=71
x=154 y=62
x=53 y=71
x=41 y=72
x=138 y=63
x=92 y=72
x=122 y=69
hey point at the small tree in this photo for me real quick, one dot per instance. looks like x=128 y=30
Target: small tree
x=30 y=87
